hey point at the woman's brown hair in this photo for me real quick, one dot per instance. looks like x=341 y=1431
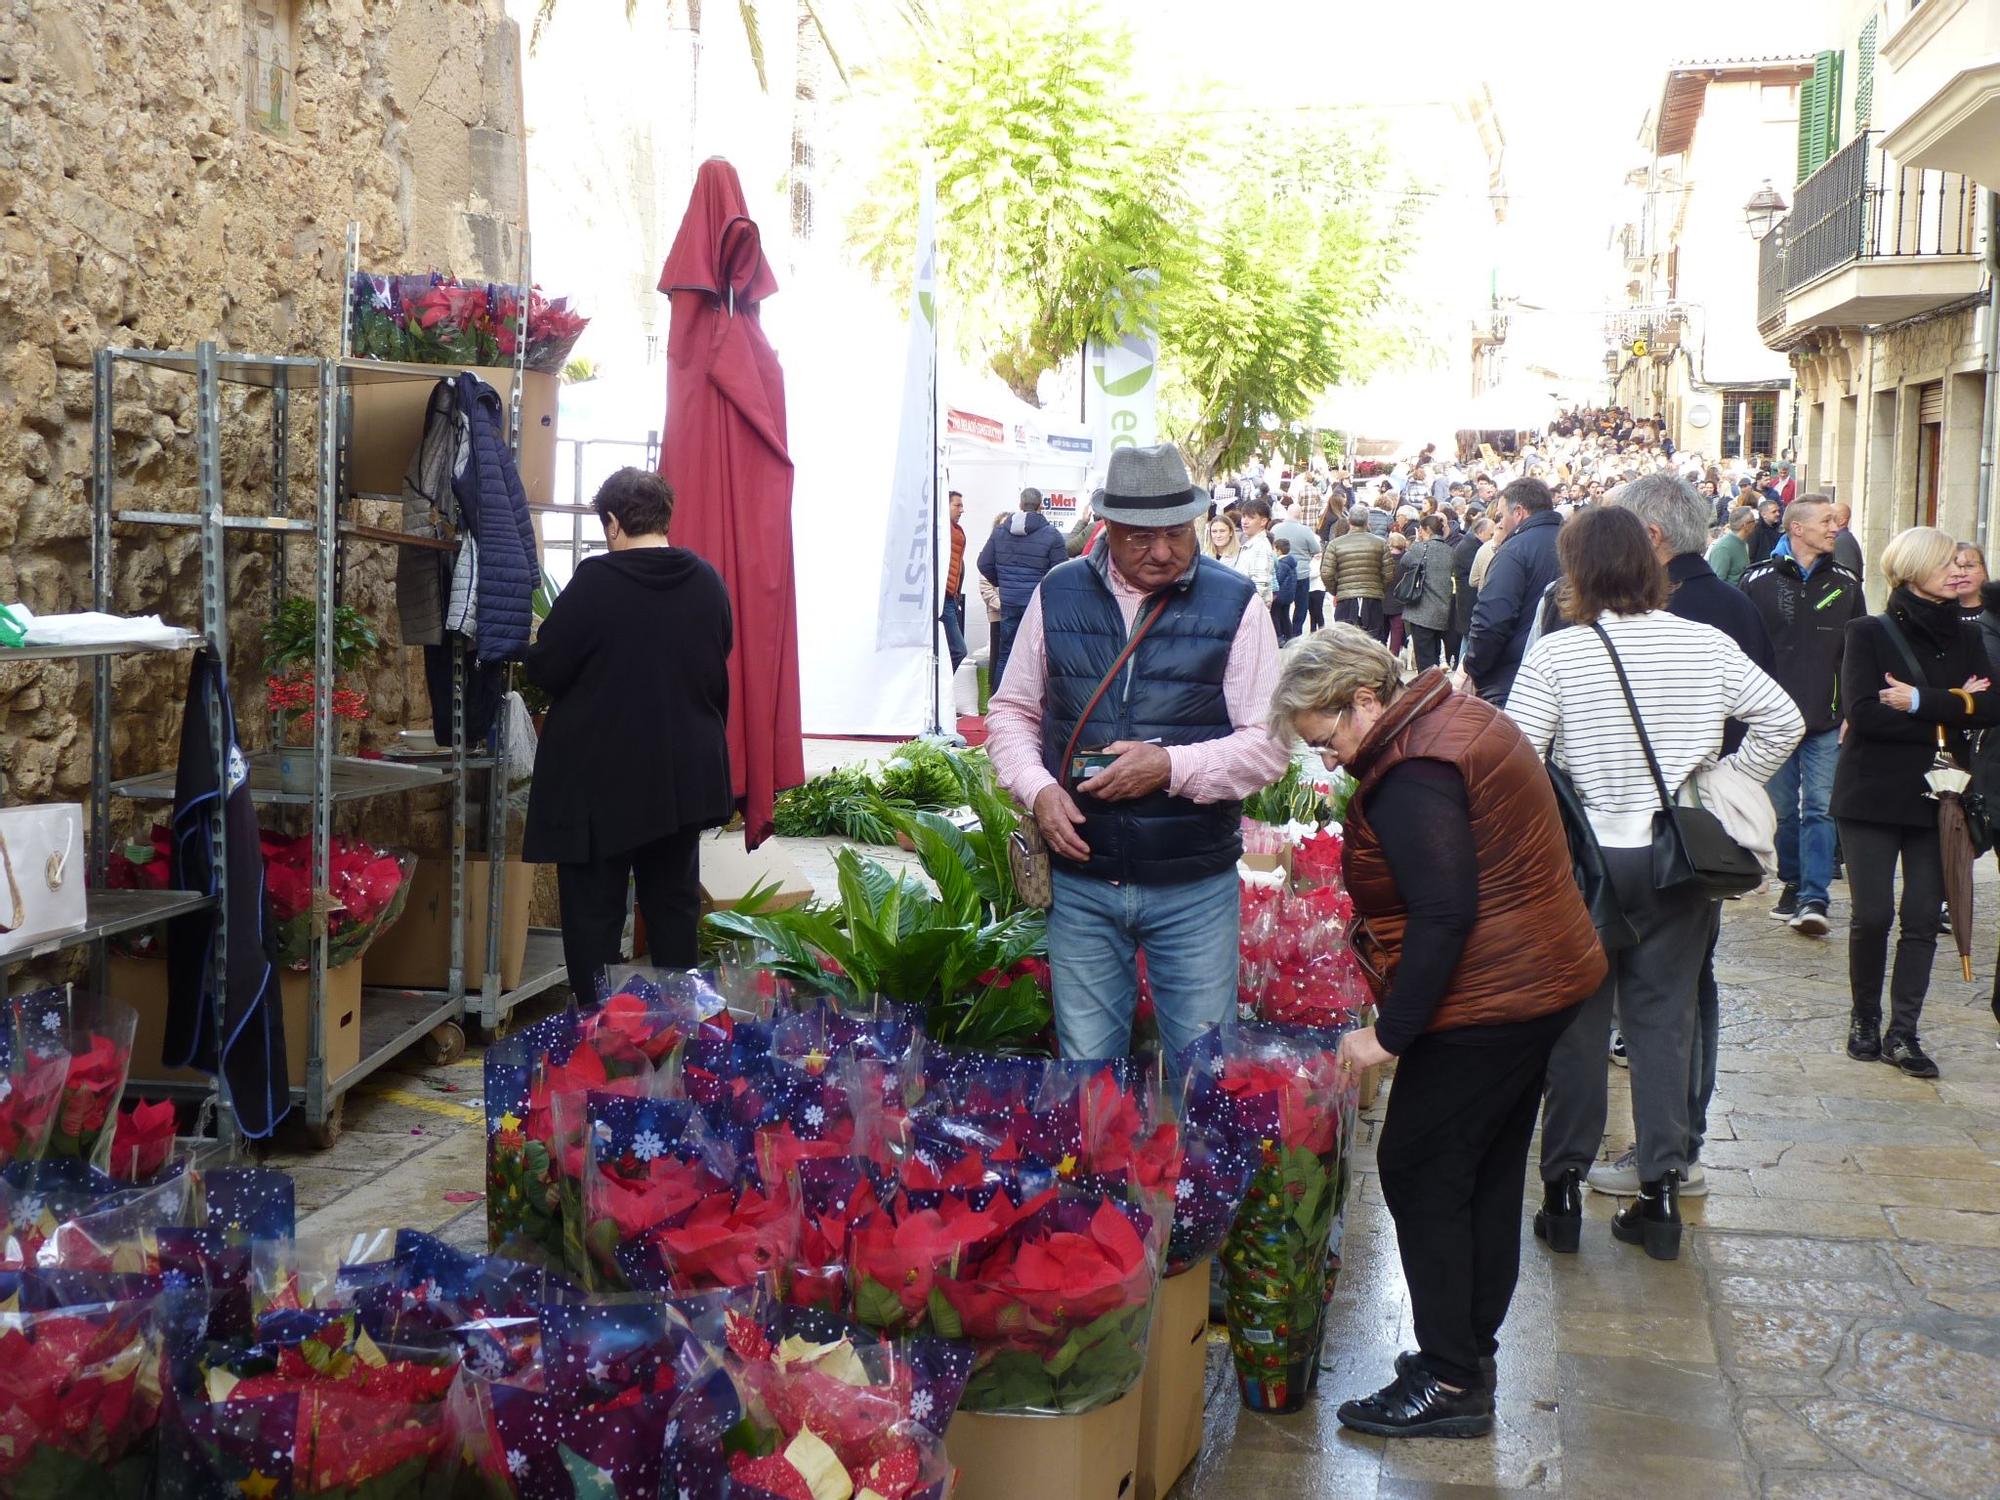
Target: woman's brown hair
x=1608 y=566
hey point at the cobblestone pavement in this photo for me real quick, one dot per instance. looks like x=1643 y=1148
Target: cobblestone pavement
x=1832 y=1331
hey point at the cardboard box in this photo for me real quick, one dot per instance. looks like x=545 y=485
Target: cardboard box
x=1266 y=864
x=415 y=953
x=142 y=984
x=389 y=423
x=1172 y=1391
x=728 y=874
x=1094 y=1456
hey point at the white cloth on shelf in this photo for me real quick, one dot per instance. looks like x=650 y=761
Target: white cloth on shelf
x=94 y=629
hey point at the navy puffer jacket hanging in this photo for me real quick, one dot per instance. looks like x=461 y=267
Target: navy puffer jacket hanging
x=495 y=510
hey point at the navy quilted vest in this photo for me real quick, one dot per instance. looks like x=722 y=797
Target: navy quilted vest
x=1170 y=691
x=490 y=497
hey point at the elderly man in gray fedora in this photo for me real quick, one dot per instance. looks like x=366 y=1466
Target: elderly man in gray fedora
x=1134 y=719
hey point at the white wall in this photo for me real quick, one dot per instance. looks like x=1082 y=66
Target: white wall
x=1918 y=53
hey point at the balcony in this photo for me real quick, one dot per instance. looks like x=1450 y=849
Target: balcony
x=1867 y=242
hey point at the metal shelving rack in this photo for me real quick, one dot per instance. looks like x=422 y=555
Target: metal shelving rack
x=542 y=968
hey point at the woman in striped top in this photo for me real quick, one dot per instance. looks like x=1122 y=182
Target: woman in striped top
x=1688 y=679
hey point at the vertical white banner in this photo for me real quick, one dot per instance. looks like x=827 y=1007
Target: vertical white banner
x=1125 y=382
x=909 y=606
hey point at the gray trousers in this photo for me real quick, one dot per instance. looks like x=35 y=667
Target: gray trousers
x=1653 y=985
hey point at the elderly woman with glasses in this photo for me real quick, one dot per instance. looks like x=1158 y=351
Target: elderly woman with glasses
x=1460 y=871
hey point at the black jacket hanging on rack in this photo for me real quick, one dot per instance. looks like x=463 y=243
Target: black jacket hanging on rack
x=252 y=1048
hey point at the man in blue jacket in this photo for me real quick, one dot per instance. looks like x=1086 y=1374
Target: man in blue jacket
x=1522 y=569
x=1014 y=559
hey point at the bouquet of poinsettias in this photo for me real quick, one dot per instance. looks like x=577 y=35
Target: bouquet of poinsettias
x=593 y=1403
x=668 y=1206
x=1050 y=1279
x=327 y=1413
x=534 y=1087
x=93 y=1036
x=1287 y=1096
x=830 y=1408
x=79 y=1393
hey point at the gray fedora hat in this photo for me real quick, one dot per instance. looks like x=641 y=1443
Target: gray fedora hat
x=1150 y=487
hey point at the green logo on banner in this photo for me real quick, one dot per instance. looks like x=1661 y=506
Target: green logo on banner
x=1125 y=385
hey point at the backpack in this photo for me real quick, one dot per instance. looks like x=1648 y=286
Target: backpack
x=1409 y=586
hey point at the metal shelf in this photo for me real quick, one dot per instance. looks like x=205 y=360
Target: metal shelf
x=291 y=372
x=391 y=1022
x=353 y=779
x=542 y=969
x=228 y=523
x=110 y=913
x=96 y=648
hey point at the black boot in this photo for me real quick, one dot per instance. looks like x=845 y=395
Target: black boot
x=1560 y=1218
x=1864 y=1039
x=1416 y=1404
x=1653 y=1219
x=1907 y=1053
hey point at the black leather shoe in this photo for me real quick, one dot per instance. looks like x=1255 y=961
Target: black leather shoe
x=1864 y=1040
x=1409 y=1363
x=1418 y=1405
x=1653 y=1219
x=1560 y=1218
x=1903 y=1052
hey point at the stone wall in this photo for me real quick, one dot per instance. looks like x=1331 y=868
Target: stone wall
x=144 y=201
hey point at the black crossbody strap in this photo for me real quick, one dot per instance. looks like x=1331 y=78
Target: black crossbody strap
x=1632 y=704
x=1902 y=644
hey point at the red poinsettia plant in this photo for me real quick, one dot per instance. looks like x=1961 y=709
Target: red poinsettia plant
x=92 y=1035
x=1297 y=966
x=362 y=1421
x=79 y=1399
x=367 y=888
x=30 y=1092
x=143 y=1140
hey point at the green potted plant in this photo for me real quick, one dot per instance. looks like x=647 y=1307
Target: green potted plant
x=291 y=685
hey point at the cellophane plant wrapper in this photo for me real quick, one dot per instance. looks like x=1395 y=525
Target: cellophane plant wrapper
x=79 y=1399
x=1297 y=967
x=832 y=1408
x=93 y=1035
x=1292 y=1106
x=367 y=885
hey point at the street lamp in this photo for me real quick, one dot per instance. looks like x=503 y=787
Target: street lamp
x=1764 y=210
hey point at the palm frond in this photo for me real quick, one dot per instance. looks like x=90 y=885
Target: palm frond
x=753 y=33
x=826 y=39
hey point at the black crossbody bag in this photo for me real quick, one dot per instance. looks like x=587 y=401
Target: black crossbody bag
x=1690 y=847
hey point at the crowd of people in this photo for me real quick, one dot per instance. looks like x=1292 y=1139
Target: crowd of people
x=1589 y=689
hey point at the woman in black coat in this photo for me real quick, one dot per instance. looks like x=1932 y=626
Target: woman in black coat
x=1894 y=715
x=634 y=758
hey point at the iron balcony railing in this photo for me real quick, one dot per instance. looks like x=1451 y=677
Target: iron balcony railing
x=1771 y=279
x=1861 y=206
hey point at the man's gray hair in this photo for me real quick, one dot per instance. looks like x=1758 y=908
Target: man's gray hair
x=1740 y=517
x=1663 y=500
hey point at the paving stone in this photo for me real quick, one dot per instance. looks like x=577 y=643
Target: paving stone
x=1850 y=1486
x=1776 y=1439
x=1600 y=1475
x=1932 y=1458
x=1910 y=1369
x=1949 y=1226
x=1522 y=1454
x=1775 y=1255
x=1929 y=1162
x=1846 y=1221
x=1588 y=1427
x=1863 y=1298
x=1650 y=1387
x=1780 y=1338
x=1947 y=1266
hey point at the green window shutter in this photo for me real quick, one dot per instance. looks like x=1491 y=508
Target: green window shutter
x=1819 y=114
x=1809 y=125
x=1864 y=77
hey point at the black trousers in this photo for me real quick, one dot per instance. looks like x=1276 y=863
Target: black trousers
x=1316 y=608
x=1428 y=644
x=1872 y=850
x=1454 y=1157
x=667 y=874
x=1367 y=613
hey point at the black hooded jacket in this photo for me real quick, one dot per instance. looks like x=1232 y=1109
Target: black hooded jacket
x=635 y=659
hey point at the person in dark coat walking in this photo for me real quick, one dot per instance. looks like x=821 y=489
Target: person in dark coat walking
x=1464 y=552
x=1016 y=557
x=1521 y=571
x=634 y=758
x=1895 y=726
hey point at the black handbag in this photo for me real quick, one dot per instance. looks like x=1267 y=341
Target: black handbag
x=1586 y=863
x=1690 y=846
x=1409 y=587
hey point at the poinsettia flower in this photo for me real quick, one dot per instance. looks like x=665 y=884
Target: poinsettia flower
x=1066 y=1277
x=142 y=1140
x=664 y=1191
x=725 y=1243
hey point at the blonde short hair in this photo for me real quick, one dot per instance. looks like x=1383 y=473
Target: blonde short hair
x=1916 y=554
x=1322 y=672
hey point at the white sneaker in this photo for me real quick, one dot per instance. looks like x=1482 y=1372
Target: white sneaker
x=1620 y=1178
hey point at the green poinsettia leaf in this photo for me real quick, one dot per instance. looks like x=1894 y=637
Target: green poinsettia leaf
x=945 y=1321
x=875 y=1305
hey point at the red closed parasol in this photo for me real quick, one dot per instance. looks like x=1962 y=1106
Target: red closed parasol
x=725 y=455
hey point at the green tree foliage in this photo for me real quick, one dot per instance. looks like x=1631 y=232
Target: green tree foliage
x=1289 y=279
x=1057 y=186
x=1071 y=205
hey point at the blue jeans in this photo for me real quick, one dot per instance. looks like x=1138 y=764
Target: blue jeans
x=1004 y=630
x=1096 y=929
x=953 y=618
x=1799 y=793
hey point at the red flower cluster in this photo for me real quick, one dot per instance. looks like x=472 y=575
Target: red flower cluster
x=360 y=1414
x=29 y=1096
x=290 y=694
x=1296 y=965
x=142 y=1141
x=1303 y=1095
x=367 y=887
x=1317 y=862
x=87 y=1384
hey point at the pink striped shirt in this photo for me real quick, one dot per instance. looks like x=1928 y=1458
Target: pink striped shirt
x=1213 y=771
